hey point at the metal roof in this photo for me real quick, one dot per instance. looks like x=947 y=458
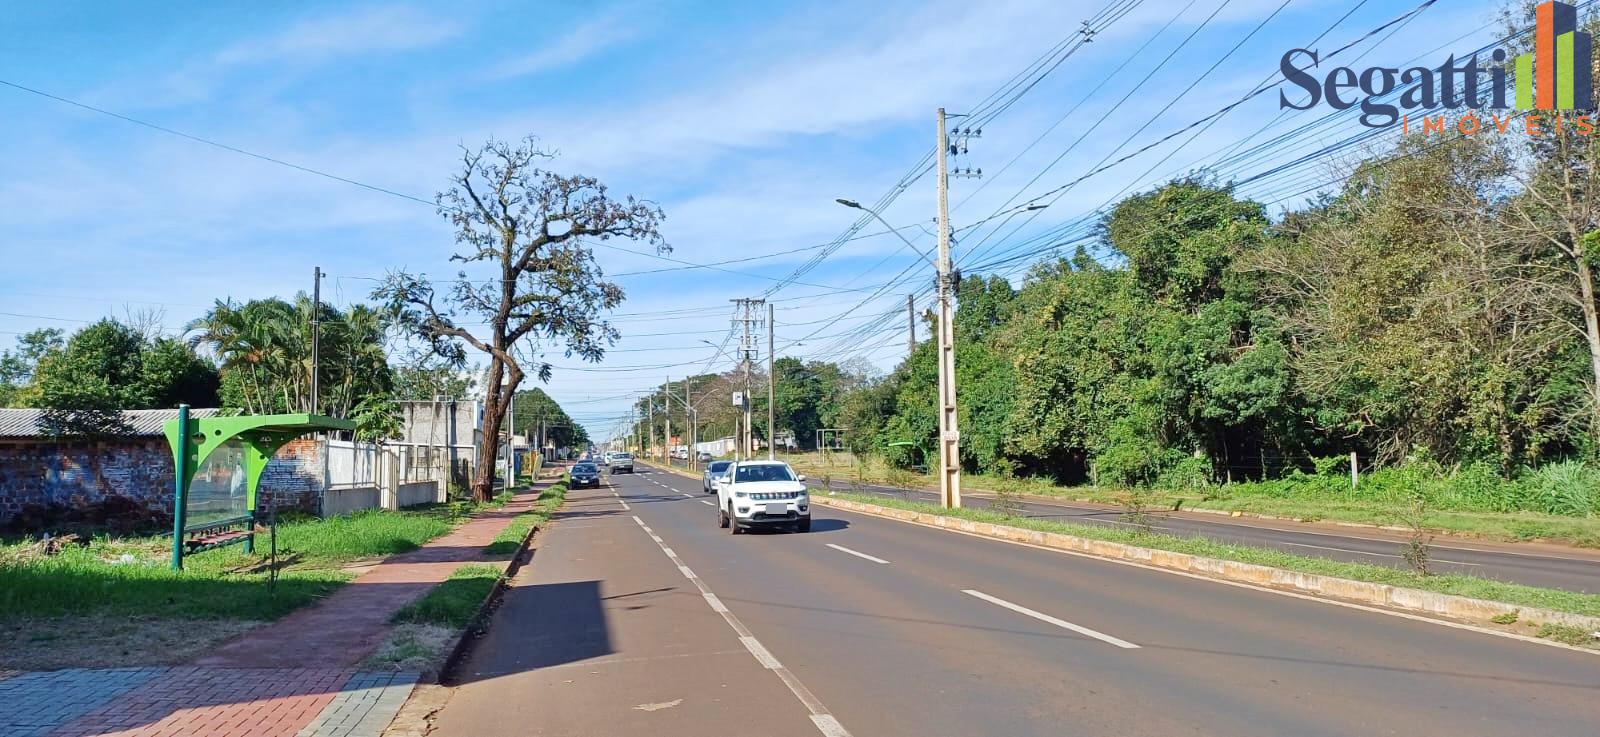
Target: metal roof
x=37 y=423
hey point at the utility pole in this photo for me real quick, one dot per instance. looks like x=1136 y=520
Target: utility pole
x=694 y=425
x=316 y=330
x=650 y=445
x=772 y=393
x=911 y=324
x=666 y=391
x=749 y=316
x=949 y=429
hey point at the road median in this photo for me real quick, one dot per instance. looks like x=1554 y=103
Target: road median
x=1511 y=616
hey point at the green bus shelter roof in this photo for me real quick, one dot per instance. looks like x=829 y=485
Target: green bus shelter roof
x=297 y=424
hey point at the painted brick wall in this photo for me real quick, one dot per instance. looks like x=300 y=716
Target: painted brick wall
x=81 y=474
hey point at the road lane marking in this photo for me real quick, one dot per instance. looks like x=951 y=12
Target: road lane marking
x=1062 y=623
x=760 y=651
x=1262 y=589
x=858 y=554
x=707 y=502
x=820 y=716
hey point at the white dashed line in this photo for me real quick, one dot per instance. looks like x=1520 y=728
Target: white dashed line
x=707 y=502
x=1062 y=623
x=820 y=716
x=760 y=651
x=858 y=554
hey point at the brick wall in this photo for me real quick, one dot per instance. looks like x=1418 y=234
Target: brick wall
x=77 y=476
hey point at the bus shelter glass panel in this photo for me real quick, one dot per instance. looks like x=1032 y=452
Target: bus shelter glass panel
x=219 y=490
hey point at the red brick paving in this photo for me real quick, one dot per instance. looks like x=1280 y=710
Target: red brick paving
x=345 y=628
x=275 y=680
x=215 y=702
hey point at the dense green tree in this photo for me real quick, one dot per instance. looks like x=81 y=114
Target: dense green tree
x=107 y=367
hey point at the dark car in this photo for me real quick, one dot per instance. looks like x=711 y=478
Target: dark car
x=713 y=470
x=585 y=474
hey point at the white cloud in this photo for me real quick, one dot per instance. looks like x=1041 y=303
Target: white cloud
x=582 y=42
x=370 y=30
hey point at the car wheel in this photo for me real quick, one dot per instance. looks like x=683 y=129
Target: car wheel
x=733 y=523
x=803 y=525
x=722 y=518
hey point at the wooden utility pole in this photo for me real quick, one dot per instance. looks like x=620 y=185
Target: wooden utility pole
x=949 y=429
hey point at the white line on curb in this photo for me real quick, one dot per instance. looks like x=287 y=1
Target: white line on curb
x=1062 y=623
x=858 y=554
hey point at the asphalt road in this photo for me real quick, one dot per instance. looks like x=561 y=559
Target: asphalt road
x=638 y=615
x=1531 y=564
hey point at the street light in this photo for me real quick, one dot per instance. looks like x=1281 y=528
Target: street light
x=903 y=239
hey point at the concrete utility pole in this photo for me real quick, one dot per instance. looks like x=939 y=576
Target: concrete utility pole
x=650 y=445
x=911 y=324
x=316 y=330
x=667 y=433
x=694 y=425
x=772 y=393
x=949 y=429
x=749 y=317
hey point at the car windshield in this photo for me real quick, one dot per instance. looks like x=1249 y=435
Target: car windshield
x=583 y=468
x=621 y=456
x=719 y=466
x=764 y=472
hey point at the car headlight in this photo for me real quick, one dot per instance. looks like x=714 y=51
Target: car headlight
x=739 y=494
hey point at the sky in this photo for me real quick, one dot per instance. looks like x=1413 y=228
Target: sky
x=743 y=121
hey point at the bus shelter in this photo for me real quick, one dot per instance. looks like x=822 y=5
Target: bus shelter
x=217 y=466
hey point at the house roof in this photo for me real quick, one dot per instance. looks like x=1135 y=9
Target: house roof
x=39 y=423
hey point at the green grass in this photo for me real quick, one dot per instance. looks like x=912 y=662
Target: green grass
x=454 y=602
x=1470 y=586
x=130 y=576
x=512 y=536
x=1463 y=504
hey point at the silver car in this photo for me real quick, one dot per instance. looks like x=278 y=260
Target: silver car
x=713 y=470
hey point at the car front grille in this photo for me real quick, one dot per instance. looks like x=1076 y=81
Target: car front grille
x=775 y=496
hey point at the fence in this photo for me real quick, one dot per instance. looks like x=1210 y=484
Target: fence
x=359 y=476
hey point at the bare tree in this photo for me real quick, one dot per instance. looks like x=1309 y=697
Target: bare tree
x=537 y=282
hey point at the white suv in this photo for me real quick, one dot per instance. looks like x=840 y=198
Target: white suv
x=761 y=494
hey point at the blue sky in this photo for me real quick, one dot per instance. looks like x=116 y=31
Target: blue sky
x=743 y=120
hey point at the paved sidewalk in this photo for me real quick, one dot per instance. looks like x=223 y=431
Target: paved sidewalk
x=293 y=678
x=346 y=627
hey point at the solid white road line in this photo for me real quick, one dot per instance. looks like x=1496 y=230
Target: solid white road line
x=707 y=502
x=858 y=554
x=1062 y=623
x=820 y=716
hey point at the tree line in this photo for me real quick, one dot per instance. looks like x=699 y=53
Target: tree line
x=1438 y=306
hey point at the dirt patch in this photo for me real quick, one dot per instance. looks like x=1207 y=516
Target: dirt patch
x=98 y=641
x=413 y=647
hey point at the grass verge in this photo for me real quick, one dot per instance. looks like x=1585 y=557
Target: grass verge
x=1478 y=588
x=510 y=538
x=1246 y=498
x=452 y=603
x=54 y=603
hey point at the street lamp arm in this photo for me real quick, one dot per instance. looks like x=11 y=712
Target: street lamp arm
x=892 y=229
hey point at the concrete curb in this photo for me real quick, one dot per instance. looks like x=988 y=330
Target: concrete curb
x=1448 y=606
x=480 y=618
